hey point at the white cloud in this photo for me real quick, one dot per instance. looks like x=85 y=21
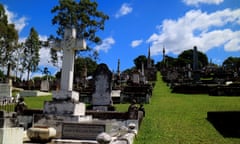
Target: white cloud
x=197 y=2
x=105 y=45
x=124 y=10
x=136 y=43
x=204 y=30
x=19 y=23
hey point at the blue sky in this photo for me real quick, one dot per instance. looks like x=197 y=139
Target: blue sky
x=134 y=26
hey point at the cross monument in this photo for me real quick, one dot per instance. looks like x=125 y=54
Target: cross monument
x=66 y=101
x=69 y=45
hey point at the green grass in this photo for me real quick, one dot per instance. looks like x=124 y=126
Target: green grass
x=175 y=118
x=181 y=119
x=36 y=102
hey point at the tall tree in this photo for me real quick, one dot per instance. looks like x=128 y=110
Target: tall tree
x=232 y=63
x=8 y=40
x=82 y=15
x=141 y=59
x=186 y=57
x=31 y=52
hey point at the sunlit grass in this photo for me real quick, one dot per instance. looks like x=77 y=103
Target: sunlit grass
x=181 y=119
x=175 y=118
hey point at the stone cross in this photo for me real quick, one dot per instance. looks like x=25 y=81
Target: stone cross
x=69 y=44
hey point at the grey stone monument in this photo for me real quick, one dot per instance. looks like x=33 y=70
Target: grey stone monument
x=101 y=98
x=196 y=76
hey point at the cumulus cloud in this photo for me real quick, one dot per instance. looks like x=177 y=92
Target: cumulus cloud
x=204 y=30
x=105 y=45
x=19 y=22
x=136 y=43
x=124 y=10
x=197 y=2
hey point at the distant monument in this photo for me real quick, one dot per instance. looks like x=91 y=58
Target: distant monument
x=196 y=76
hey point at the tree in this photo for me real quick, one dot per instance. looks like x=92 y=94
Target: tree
x=81 y=63
x=232 y=63
x=83 y=16
x=8 y=41
x=141 y=59
x=186 y=57
x=31 y=52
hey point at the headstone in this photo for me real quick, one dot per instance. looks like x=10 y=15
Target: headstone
x=45 y=85
x=101 y=97
x=136 y=77
x=5 y=90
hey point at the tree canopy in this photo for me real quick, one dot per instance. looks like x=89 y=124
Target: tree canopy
x=186 y=57
x=31 y=52
x=82 y=15
x=8 y=40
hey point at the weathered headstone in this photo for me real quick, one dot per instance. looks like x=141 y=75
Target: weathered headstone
x=136 y=77
x=5 y=90
x=101 y=97
x=45 y=86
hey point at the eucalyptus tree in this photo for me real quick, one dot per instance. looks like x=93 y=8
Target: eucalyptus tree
x=82 y=15
x=8 y=41
x=31 y=57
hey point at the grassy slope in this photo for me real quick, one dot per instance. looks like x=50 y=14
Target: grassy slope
x=174 y=118
x=181 y=119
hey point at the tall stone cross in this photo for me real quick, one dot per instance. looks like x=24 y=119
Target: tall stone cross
x=69 y=45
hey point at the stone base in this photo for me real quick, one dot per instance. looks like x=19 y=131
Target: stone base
x=64 y=108
x=11 y=135
x=56 y=121
x=66 y=95
x=100 y=108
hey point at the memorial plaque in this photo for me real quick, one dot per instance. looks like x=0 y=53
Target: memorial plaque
x=82 y=131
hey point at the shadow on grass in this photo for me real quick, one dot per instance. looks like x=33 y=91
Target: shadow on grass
x=227 y=123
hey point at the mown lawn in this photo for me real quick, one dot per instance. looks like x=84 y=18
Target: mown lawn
x=175 y=118
x=181 y=119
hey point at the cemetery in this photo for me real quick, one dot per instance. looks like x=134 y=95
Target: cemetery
x=157 y=104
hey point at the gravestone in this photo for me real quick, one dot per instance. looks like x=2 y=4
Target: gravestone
x=45 y=86
x=5 y=90
x=101 y=97
x=136 y=77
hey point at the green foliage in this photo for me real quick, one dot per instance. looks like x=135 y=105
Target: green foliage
x=186 y=57
x=82 y=15
x=8 y=41
x=81 y=64
x=232 y=62
x=31 y=52
x=141 y=59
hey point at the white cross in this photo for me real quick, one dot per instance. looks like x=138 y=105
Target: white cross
x=69 y=44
